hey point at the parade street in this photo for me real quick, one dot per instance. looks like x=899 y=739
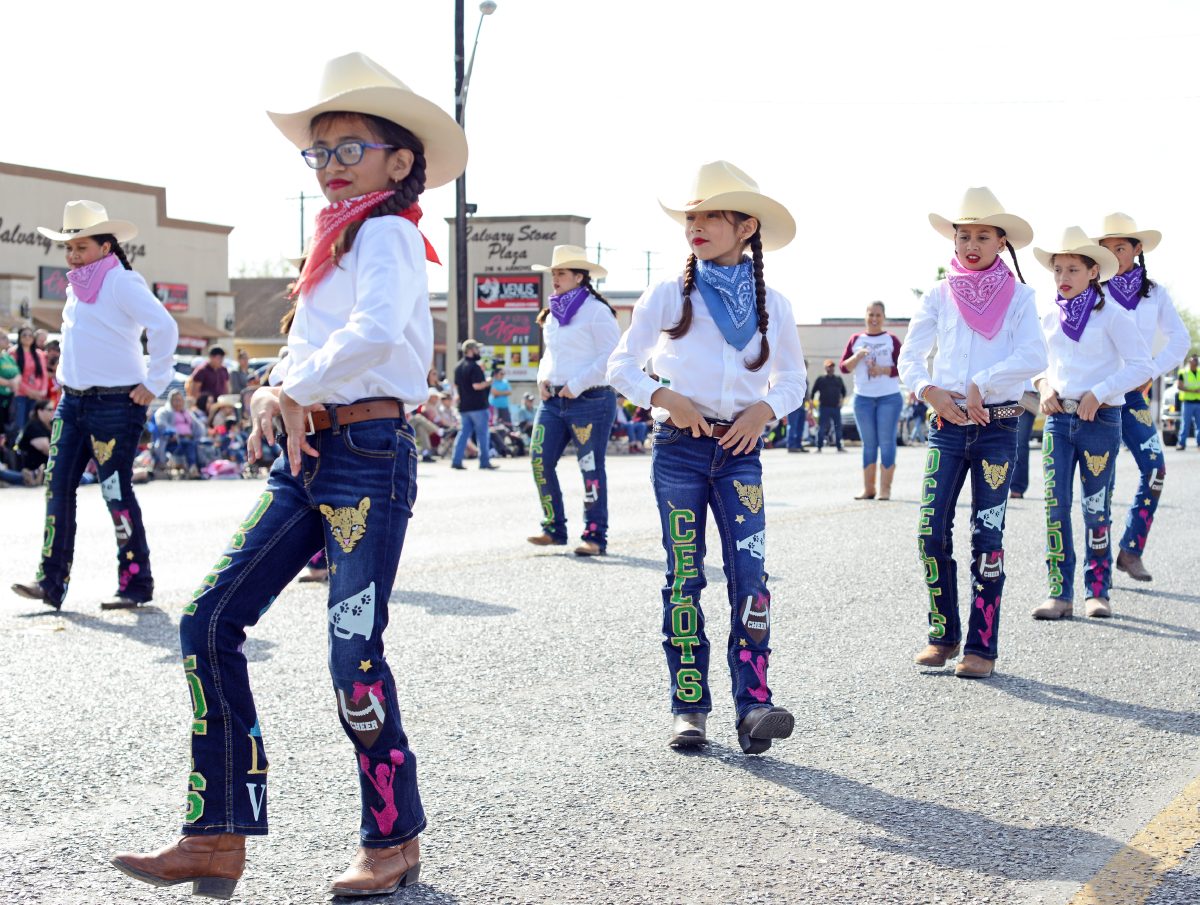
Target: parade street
x=535 y=696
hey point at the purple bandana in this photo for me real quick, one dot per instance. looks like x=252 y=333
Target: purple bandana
x=1126 y=286
x=87 y=280
x=564 y=306
x=1073 y=313
x=982 y=296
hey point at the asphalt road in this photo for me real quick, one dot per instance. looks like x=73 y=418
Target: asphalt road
x=535 y=696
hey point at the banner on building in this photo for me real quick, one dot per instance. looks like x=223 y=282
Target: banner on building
x=519 y=362
x=508 y=292
x=507 y=328
x=174 y=296
x=52 y=284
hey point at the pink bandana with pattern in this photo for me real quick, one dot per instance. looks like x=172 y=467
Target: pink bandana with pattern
x=982 y=296
x=87 y=280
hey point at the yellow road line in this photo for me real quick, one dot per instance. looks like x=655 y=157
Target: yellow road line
x=1133 y=873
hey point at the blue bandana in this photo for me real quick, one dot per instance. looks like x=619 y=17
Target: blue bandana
x=731 y=297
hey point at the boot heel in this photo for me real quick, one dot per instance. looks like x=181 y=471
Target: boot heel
x=412 y=876
x=214 y=887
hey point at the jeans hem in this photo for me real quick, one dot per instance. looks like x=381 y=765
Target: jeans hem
x=398 y=839
x=676 y=711
x=992 y=658
x=193 y=830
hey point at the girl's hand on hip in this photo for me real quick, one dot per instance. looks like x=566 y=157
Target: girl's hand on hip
x=140 y=395
x=976 y=410
x=565 y=393
x=1088 y=406
x=945 y=404
x=747 y=429
x=1050 y=404
x=264 y=407
x=295 y=425
x=544 y=389
x=684 y=414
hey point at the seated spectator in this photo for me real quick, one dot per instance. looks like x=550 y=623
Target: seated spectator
x=33 y=445
x=179 y=433
x=635 y=430
x=525 y=414
x=426 y=424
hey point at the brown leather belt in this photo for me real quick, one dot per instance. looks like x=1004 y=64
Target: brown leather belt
x=374 y=410
x=719 y=428
x=1071 y=406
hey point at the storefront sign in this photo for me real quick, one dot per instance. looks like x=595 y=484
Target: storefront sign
x=511 y=246
x=515 y=328
x=174 y=296
x=191 y=342
x=18 y=234
x=52 y=284
x=519 y=362
x=503 y=292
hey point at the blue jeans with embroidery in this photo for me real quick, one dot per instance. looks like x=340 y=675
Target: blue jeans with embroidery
x=1069 y=442
x=474 y=424
x=1020 y=480
x=877 y=418
x=1189 y=423
x=986 y=454
x=587 y=419
x=691 y=476
x=108 y=429
x=1141 y=438
x=355 y=500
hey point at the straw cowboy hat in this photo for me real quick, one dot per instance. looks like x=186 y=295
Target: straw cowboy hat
x=88 y=218
x=1076 y=242
x=357 y=84
x=980 y=207
x=1121 y=226
x=720 y=186
x=572 y=257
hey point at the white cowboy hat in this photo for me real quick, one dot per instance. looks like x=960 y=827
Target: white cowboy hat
x=980 y=207
x=572 y=257
x=720 y=186
x=357 y=84
x=1076 y=242
x=1121 y=226
x=88 y=218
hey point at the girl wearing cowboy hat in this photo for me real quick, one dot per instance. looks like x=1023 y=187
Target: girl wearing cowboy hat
x=1095 y=355
x=1153 y=312
x=727 y=353
x=106 y=388
x=359 y=344
x=580 y=330
x=989 y=343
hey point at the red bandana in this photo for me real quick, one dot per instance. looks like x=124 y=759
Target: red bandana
x=332 y=222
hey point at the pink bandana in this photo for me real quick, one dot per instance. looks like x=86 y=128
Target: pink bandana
x=87 y=280
x=332 y=222
x=982 y=296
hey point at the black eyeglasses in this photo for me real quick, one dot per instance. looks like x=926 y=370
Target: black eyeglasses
x=348 y=153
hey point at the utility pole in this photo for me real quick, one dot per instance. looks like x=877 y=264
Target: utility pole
x=460 y=185
x=303 y=223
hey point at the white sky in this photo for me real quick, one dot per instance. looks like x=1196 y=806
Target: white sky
x=861 y=117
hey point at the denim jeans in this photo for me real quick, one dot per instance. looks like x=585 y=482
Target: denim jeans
x=1189 y=423
x=690 y=476
x=474 y=425
x=986 y=453
x=1068 y=443
x=827 y=419
x=1020 y=480
x=795 y=428
x=1141 y=438
x=877 y=418
x=588 y=419
x=637 y=431
x=355 y=500
x=108 y=429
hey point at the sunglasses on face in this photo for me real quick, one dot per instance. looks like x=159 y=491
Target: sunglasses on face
x=348 y=153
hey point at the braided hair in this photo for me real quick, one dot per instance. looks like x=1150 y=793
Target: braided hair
x=114 y=246
x=1012 y=253
x=407 y=190
x=585 y=283
x=681 y=326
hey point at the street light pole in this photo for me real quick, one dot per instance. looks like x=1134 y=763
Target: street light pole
x=462 y=82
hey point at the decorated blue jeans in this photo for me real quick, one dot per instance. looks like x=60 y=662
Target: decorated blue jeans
x=587 y=419
x=1141 y=438
x=877 y=418
x=1070 y=443
x=985 y=454
x=355 y=500
x=690 y=477
x=106 y=428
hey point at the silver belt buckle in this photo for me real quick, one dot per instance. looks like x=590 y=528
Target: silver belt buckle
x=310 y=427
x=1070 y=406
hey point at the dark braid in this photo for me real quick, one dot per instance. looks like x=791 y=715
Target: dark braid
x=1147 y=283
x=114 y=247
x=1012 y=252
x=1095 y=284
x=684 y=323
x=760 y=292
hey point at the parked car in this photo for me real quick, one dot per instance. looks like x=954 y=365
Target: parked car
x=850 y=423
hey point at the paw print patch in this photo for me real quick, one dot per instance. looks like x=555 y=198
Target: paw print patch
x=355 y=615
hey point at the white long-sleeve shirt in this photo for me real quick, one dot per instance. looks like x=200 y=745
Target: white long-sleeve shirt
x=102 y=341
x=1110 y=359
x=701 y=364
x=576 y=356
x=1156 y=314
x=365 y=330
x=999 y=366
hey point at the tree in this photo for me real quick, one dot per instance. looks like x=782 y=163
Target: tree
x=1192 y=321
x=941 y=275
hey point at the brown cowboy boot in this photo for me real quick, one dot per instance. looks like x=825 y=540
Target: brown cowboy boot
x=379 y=871
x=885 y=482
x=972 y=666
x=1055 y=608
x=868 y=484
x=935 y=655
x=212 y=864
x=1130 y=563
